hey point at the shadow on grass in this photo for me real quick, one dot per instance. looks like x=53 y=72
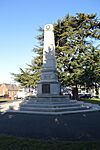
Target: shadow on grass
x=13 y=143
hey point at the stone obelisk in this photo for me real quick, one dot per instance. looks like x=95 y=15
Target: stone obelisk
x=49 y=84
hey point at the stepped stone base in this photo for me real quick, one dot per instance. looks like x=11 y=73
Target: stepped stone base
x=48 y=98
x=53 y=105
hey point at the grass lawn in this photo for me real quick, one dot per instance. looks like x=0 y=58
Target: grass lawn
x=5 y=100
x=12 y=143
x=91 y=100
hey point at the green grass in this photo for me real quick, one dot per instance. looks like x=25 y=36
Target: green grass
x=5 y=99
x=12 y=143
x=91 y=100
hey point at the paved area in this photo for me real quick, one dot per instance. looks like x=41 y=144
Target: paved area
x=80 y=126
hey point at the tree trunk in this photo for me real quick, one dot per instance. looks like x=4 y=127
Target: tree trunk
x=97 y=91
x=75 y=93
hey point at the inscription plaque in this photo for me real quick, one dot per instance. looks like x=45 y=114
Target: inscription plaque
x=45 y=88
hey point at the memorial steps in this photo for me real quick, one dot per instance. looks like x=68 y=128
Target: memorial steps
x=32 y=105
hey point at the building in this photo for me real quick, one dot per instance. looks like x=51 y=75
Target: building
x=91 y=91
x=8 y=90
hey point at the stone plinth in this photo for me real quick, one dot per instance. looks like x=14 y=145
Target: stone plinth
x=47 y=88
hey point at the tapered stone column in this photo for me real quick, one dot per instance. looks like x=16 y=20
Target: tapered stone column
x=49 y=84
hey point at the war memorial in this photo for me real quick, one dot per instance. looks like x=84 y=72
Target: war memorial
x=50 y=114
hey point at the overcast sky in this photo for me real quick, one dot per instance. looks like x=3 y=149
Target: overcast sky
x=19 y=21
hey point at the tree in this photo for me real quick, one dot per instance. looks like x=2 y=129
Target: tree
x=91 y=69
x=74 y=39
x=28 y=77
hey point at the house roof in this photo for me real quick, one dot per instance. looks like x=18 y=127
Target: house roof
x=12 y=87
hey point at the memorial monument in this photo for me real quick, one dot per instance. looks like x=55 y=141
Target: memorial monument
x=48 y=99
x=49 y=84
